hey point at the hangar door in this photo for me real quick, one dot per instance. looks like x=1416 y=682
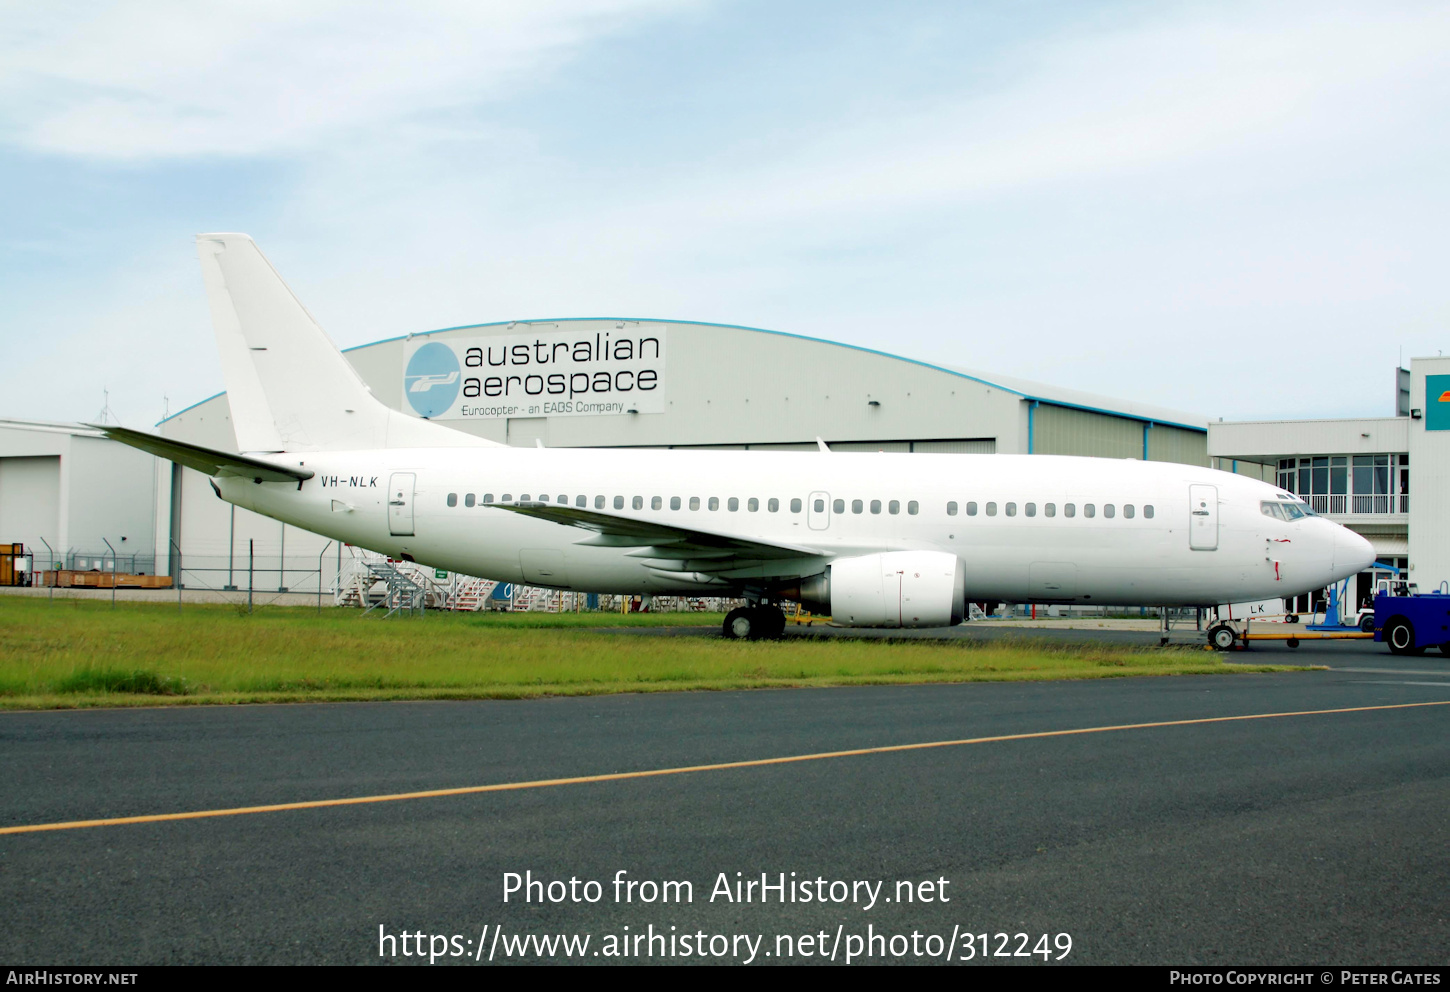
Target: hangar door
x=1203 y=518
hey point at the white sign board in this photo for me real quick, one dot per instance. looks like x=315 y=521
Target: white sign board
x=537 y=374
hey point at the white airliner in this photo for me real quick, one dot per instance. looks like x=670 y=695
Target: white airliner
x=876 y=540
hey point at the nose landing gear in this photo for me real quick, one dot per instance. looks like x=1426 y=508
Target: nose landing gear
x=759 y=621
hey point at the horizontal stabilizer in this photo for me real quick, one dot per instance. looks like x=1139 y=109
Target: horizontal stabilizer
x=205 y=460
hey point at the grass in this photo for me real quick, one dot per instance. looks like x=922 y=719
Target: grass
x=82 y=653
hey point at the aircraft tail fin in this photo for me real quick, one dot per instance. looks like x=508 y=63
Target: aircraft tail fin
x=289 y=387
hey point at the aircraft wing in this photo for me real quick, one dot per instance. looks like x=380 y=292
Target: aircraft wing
x=204 y=460
x=677 y=548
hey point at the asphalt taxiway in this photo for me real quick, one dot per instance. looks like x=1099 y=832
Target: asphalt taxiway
x=1299 y=836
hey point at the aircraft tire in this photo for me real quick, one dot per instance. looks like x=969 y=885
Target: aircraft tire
x=772 y=622
x=1222 y=637
x=741 y=623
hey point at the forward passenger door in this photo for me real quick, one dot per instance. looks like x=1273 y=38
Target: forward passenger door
x=1203 y=518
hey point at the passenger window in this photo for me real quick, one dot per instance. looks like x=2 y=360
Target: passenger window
x=773 y=506
x=1049 y=509
x=894 y=506
x=1148 y=512
x=912 y=507
x=619 y=502
x=971 y=509
x=820 y=506
x=674 y=502
x=838 y=506
x=581 y=500
x=488 y=497
x=1128 y=510
x=952 y=508
x=875 y=506
x=508 y=498
x=655 y=503
x=714 y=503
x=1109 y=510
x=1089 y=510
x=1030 y=509
x=468 y=500
x=795 y=506
x=562 y=499
x=991 y=509
x=523 y=497
x=857 y=506
x=1069 y=509
x=694 y=502
x=638 y=503
x=1011 y=509
x=598 y=502
x=733 y=504
x=753 y=504
x=452 y=499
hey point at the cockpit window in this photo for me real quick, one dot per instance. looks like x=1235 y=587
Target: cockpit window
x=1285 y=511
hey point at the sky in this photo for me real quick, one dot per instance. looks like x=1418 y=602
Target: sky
x=1238 y=209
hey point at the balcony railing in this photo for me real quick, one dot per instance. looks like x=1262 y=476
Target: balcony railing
x=1372 y=503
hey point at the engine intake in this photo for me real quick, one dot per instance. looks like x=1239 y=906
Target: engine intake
x=891 y=589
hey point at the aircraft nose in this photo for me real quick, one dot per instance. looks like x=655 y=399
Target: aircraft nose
x=1351 y=551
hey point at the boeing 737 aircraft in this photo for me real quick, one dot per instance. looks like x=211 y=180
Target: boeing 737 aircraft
x=876 y=540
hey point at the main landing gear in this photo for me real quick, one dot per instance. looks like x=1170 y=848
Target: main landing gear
x=758 y=621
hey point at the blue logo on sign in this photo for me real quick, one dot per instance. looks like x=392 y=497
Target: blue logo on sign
x=431 y=380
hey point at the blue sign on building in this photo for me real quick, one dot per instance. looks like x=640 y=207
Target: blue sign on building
x=1437 y=402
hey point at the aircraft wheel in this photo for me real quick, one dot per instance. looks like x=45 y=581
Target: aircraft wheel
x=1367 y=625
x=1400 y=636
x=772 y=622
x=1292 y=618
x=741 y=623
x=1222 y=637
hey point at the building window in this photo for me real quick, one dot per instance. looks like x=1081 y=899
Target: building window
x=452 y=499
x=1049 y=509
x=971 y=509
x=952 y=508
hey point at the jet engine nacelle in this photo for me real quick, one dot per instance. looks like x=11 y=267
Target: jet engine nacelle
x=892 y=589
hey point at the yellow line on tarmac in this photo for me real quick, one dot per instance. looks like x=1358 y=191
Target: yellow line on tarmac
x=545 y=783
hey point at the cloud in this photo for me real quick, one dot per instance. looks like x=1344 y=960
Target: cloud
x=154 y=79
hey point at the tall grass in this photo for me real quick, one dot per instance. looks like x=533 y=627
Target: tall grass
x=78 y=652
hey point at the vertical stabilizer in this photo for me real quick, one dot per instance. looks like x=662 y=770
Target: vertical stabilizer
x=289 y=387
